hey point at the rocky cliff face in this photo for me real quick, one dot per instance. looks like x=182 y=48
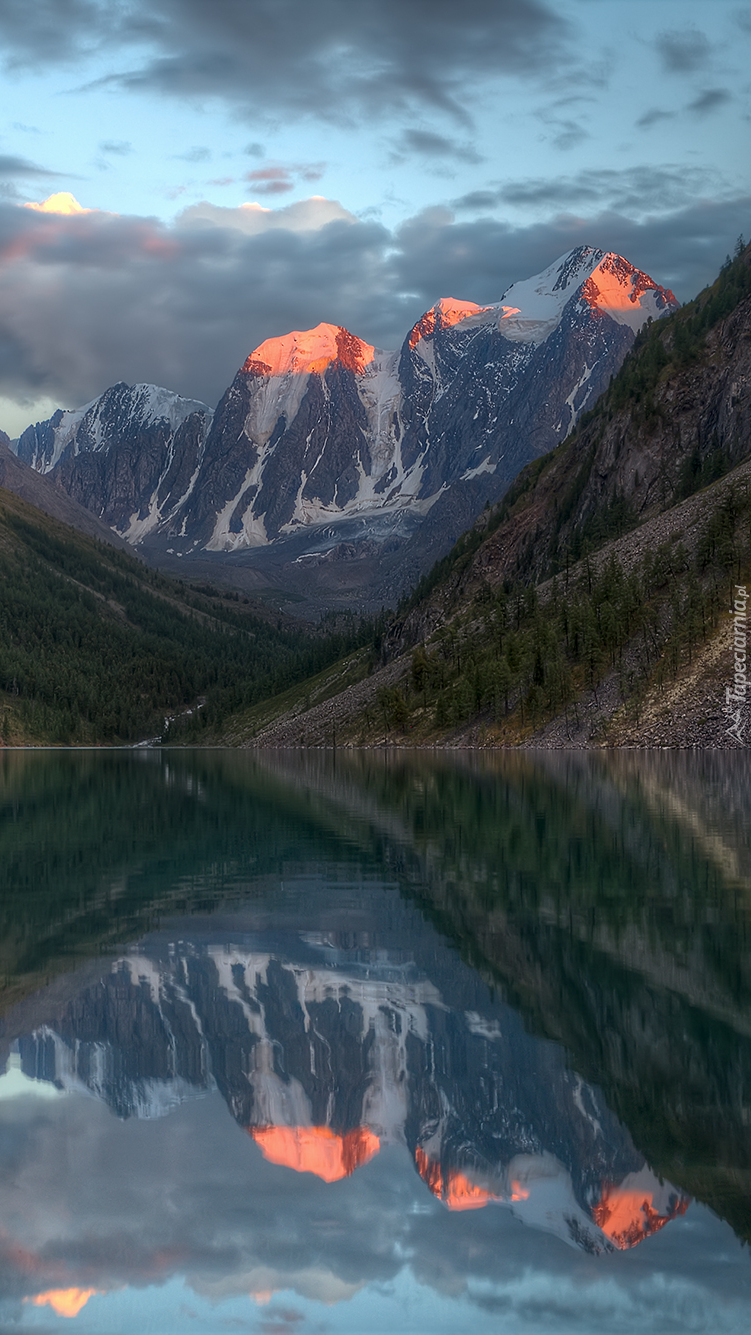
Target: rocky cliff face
x=324 y=1055
x=321 y=434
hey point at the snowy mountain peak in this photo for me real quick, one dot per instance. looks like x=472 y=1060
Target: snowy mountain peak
x=625 y=293
x=119 y=410
x=152 y=403
x=447 y=311
x=309 y=350
x=532 y=309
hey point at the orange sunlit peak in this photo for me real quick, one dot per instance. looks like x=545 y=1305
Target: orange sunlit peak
x=447 y=311
x=304 y=351
x=317 y=1149
x=455 y=1190
x=628 y=1215
x=66 y=1302
x=63 y=202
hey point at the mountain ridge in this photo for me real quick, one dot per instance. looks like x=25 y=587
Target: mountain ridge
x=323 y=440
x=587 y=607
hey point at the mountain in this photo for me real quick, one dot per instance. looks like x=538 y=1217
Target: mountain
x=325 y=1055
x=122 y=455
x=591 y=605
x=327 y=452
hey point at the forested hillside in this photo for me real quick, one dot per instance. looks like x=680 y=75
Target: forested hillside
x=97 y=648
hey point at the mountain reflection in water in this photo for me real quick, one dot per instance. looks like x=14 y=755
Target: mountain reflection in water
x=367 y=1017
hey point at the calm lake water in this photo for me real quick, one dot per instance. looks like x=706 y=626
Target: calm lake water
x=301 y=1043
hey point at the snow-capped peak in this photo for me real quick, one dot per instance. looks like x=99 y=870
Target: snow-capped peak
x=625 y=293
x=530 y=310
x=153 y=403
x=119 y=409
x=308 y=350
x=447 y=311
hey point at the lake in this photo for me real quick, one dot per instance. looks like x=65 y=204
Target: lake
x=308 y=1042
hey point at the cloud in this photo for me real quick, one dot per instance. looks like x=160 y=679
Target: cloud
x=429 y=144
x=709 y=100
x=53 y=31
x=275 y=179
x=564 y=131
x=479 y=259
x=305 y=215
x=653 y=116
x=683 y=51
x=195 y=297
x=119 y=147
x=270 y=181
x=191 y=299
x=636 y=190
x=332 y=60
x=11 y=166
x=199 y=153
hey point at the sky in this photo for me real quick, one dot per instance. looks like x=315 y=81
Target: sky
x=241 y=168
x=179 y=1224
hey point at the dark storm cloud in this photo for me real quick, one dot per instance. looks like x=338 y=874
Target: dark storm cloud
x=193 y=299
x=684 y=51
x=334 y=59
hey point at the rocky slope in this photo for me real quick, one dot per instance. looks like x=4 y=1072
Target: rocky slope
x=326 y=450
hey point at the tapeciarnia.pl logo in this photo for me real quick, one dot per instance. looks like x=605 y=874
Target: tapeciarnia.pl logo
x=737 y=694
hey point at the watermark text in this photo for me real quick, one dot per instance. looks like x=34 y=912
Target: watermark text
x=737 y=695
